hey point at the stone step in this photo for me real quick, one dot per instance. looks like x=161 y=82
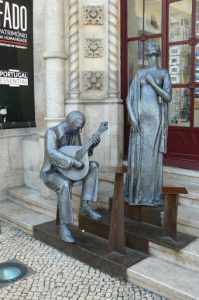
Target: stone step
x=182 y=177
x=168 y=280
x=107 y=180
x=188 y=220
x=192 y=198
x=33 y=199
x=186 y=257
x=21 y=217
x=107 y=177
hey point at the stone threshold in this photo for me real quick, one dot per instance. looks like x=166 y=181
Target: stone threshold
x=166 y=279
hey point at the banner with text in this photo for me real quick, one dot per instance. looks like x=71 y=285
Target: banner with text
x=16 y=64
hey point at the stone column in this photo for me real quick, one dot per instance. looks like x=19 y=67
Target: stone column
x=115 y=104
x=113 y=91
x=73 y=51
x=55 y=57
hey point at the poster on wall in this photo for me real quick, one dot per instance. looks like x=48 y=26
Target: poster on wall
x=16 y=64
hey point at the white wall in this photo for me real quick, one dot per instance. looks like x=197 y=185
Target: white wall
x=39 y=63
x=32 y=146
x=11 y=161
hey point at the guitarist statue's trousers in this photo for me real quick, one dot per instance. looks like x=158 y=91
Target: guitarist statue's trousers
x=62 y=186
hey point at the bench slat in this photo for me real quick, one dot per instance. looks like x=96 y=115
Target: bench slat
x=173 y=190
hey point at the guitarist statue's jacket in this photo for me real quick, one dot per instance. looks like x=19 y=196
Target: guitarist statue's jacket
x=53 y=158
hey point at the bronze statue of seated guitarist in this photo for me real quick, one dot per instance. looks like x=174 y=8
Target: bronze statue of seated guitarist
x=66 y=161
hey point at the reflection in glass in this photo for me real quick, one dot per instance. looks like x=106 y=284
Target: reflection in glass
x=152 y=17
x=180 y=20
x=135 y=59
x=196 y=108
x=179 y=107
x=180 y=63
x=197 y=63
x=135 y=17
x=197 y=18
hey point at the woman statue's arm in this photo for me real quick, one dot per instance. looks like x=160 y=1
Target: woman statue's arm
x=131 y=107
x=165 y=94
x=130 y=111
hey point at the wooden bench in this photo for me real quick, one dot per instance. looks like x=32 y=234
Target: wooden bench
x=171 y=210
x=116 y=231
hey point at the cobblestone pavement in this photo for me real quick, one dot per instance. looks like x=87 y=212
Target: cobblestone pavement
x=57 y=276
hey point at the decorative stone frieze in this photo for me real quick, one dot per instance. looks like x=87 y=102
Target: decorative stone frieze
x=93 y=15
x=93 y=48
x=93 y=80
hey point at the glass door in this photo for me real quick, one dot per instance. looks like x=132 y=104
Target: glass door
x=175 y=24
x=180 y=62
x=142 y=20
x=143 y=23
x=183 y=65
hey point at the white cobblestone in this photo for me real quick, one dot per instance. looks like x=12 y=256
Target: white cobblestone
x=57 y=276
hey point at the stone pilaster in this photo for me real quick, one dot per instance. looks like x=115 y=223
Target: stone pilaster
x=73 y=50
x=55 y=57
x=113 y=90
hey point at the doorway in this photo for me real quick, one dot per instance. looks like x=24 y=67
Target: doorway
x=175 y=24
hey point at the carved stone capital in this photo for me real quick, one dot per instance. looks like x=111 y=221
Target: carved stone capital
x=55 y=54
x=93 y=80
x=93 y=15
x=93 y=48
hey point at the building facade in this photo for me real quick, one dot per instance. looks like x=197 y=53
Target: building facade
x=85 y=56
x=76 y=67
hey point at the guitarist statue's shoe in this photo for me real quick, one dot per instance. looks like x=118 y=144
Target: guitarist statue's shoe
x=86 y=210
x=65 y=234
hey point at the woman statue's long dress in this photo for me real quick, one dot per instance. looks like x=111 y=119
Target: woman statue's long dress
x=147 y=104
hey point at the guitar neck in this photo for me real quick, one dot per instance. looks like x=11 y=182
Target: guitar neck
x=87 y=145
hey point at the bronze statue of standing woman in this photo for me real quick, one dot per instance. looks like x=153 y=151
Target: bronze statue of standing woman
x=147 y=103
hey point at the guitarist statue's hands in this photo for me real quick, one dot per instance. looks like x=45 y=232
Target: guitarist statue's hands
x=95 y=144
x=77 y=164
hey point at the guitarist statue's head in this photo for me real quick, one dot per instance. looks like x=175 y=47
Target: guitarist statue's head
x=76 y=121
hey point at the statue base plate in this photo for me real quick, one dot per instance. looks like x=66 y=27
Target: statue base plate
x=137 y=234
x=89 y=248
